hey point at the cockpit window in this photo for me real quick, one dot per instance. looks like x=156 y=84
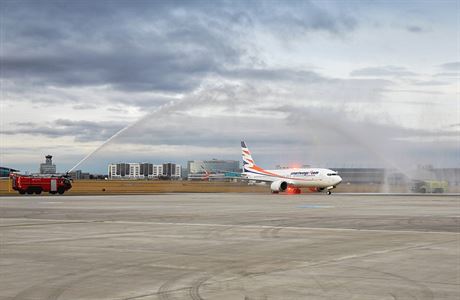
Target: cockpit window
x=332 y=174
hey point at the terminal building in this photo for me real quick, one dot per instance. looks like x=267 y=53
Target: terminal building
x=144 y=171
x=362 y=175
x=397 y=177
x=428 y=172
x=48 y=167
x=79 y=174
x=201 y=169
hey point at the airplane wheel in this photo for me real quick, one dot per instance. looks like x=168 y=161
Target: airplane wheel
x=329 y=192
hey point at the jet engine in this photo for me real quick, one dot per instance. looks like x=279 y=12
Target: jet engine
x=278 y=186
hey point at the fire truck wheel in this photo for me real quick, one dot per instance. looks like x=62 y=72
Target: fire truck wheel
x=61 y=190
x=38 y=191
x=22 y=192
x=30 y=191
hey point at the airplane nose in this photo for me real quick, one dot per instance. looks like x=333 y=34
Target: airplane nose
x=339 y=180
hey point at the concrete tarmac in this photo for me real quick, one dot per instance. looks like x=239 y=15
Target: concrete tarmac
x=230 y=246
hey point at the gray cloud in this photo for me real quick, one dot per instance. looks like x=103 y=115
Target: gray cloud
x=414 y=28
x=129 y=68
x=451 y=66
x=82 y=131
x=271 y=74
x=300 y=17
x=96 y=44
x=414 y=91
x=386 y=144
x=305 y=133
x=393 y=71
x=428 y=82
x=143 y=46
x=447 y=74
x=301 y=134
x=84 y=106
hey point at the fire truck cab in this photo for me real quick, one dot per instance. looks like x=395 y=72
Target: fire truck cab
x=37 y=184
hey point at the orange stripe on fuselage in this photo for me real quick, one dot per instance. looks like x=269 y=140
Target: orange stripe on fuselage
x=265 y=172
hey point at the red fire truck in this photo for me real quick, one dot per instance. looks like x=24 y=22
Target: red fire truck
x=37 y=184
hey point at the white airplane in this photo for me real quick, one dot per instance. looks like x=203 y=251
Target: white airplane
x=290 y=180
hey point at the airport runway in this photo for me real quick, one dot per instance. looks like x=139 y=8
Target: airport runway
x=230 y=246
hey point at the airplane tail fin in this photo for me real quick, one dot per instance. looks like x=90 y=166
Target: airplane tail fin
x=248 y=162
x=249 y=166
x=206 y=177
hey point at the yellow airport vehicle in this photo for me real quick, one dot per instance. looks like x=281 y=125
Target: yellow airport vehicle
x=429 y=186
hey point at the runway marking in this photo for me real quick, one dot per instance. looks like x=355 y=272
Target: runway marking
x=52 y=222
x=279 y=227
x=50 y=202
x=76 y=221
x=315 y=206
x=371 y=253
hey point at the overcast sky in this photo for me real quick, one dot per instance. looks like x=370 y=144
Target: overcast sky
x=326 y=83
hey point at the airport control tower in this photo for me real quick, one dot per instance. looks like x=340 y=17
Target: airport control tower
x=48 y=167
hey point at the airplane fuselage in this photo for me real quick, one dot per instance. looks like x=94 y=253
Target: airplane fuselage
x=311 y=177
x=282 y=180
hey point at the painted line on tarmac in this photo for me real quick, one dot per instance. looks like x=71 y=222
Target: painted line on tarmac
x=49 y=222
x=77 y=221
x=371 y=253
x=315 y=206
x=278 y=227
